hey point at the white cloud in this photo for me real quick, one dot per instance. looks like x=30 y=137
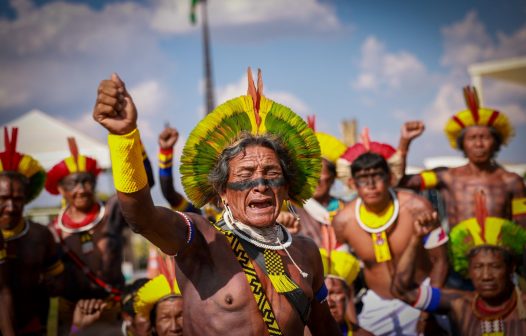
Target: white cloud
x=173 y=17
x=465 y=43
x=382 y=69
x=149 y=97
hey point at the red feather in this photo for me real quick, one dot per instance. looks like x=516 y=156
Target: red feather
x=481 y=211
x=472 y=101
x=311 y=122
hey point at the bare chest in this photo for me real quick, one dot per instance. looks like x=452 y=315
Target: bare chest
x=461 y=191
x=231 y=295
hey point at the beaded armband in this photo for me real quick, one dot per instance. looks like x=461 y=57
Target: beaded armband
x=190 y=227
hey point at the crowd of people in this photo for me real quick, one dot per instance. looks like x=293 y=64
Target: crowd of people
x=258 y=244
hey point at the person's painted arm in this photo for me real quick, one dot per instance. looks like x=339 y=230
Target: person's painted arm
x=518 y=202
x=439 y=270
x=425 y=298
x=6 y=300
x=174 y=198
x=321 y=321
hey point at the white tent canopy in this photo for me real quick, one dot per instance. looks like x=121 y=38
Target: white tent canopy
x=45 y=138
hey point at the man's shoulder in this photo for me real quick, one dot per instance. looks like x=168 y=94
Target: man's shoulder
x=38 y=229
x=411 y=198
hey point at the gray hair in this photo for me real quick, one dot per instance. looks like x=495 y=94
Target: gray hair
x=218 y=177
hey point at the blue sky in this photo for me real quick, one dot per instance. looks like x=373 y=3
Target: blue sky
x=381 y=62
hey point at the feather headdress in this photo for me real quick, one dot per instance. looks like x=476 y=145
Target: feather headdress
x=483 y=230
x=256 y=114
x=340 y=264
x=11 y=160
x=76 y=163
x=331 y=147
x=476 y=115
x=159 y=288
x=343 y=164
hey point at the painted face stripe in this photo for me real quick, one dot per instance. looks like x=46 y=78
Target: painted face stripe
x=249 y=184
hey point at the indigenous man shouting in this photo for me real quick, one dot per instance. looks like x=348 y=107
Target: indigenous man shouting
x=245 y=275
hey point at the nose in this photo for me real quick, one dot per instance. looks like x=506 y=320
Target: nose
x=486 y=273
x=9 y=206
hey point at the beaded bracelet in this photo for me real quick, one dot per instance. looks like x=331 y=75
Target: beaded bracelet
x=190 y=226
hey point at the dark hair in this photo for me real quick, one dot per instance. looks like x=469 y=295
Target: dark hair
x=497 y=139
x=13 y=175
x=128 y=295
x=369 y=160
x=331 y=167
x=218 y=177
x=507 y=256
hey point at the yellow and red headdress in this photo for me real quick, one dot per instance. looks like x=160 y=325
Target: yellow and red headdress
x=11 y=160
x=387 y=151
x=161 y=287
x=483 y=230
x=340 y=264
x=331 y=147
x=76 y=163
x=476 y=115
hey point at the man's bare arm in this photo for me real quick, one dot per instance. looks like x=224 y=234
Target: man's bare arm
x=115 y=110
x=404 y=287
x=518 y=190
x=6 y=300
x=321 y=321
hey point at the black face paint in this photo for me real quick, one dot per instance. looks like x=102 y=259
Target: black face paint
x=249 y=184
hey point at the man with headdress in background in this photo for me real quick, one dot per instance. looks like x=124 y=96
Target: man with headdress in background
x=30 y=250
x=245 y=275
x=90 y=234
x=377 y=225
x=479 y=133
x=161 y=302
x=485 y=248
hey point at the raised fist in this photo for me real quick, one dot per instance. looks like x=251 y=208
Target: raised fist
x=114 y=108
x=412 y=129
x=168 y=138
x=425 y=222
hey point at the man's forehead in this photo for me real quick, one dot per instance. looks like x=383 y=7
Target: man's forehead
x=369 y=171
x=477 y=129
x=254 y=155
x=487 y=256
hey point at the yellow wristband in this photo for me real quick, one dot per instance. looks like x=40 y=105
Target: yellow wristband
x=129 y=174
x=518 y=206
x=429 y=179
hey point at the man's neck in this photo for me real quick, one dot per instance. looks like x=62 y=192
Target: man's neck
x=77 y=214
x=500 y=300
x=481 y=167
x=380 y=206
x=323 y=199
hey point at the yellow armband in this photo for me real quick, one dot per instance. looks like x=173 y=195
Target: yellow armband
x=518 y=206
x=129 y=174
x=55 y=269
x=3 y=255
x=429 y=179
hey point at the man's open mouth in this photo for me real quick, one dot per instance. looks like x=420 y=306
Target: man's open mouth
x=260 y=204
